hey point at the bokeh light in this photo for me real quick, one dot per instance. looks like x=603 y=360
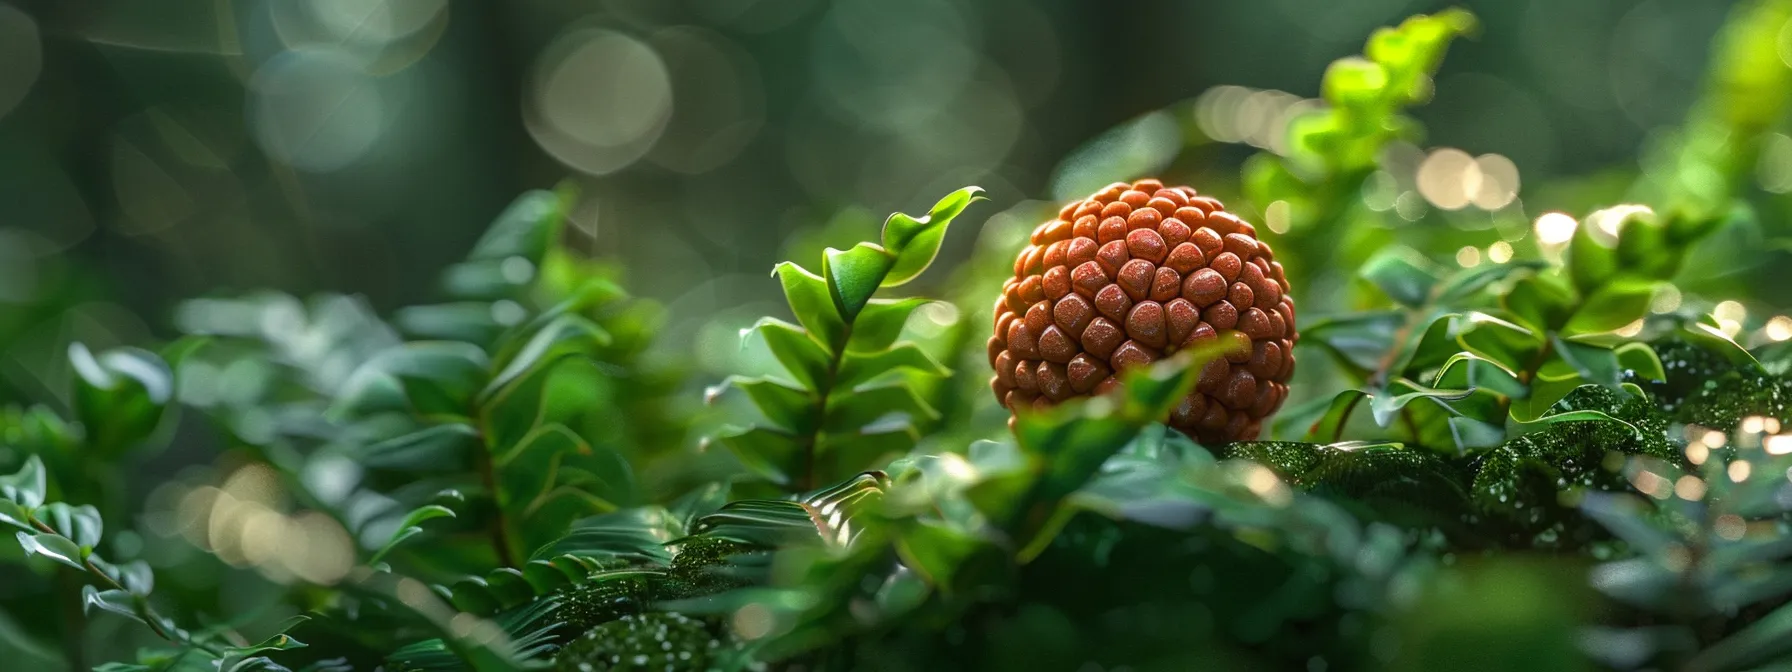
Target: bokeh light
x=1468 y=257
x=376 y=21
x=599 y=100
x=1499 y=252
x=1555 y=228
x=1498 y=185
x=243 y=522
x=1730 y=316
x=314 y=109
x=1257 y=117
x=307 y=169
x=1666 y=300
x=1779 y=328
x=1451 y=179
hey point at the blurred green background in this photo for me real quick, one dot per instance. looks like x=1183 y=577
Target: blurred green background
x=155 y=151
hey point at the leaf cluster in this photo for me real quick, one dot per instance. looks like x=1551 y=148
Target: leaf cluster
x=849 y=399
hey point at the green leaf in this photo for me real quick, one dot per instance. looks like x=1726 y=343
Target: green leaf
x=915 y=242
x=1593 y=363
x=444 y=448
x=1427 y=348
x=758 y=522
x=854 y=275
x=422 y=377
x=1511 y=345
x=792 y=408
x=559 y=572
x=584 y=294
x=554 y=463
x=1753 y=644
x=524 y=229
x=53 y=546
x=1358 y=340
x=771 y=453
x=1466 y=283
x=119 y=395
x=545 y=577
x=135 y=576
x=850 y=410
x=849 y=496
x=1540 y=301
x=277 y=642
x=881 y=323
x=1416 y=46
x=1539 y=424
x=1611 y=306
x=938 y=552
x=22 y=491
x=114 y=601
x=1469 y=434
x=1354 y=82
x=508 y=586
x=1467 y=370
x=700 y=501
x=81 y=524
x=1715 y=340
x=1482 y=405
x=1627 y=518
x=1555 y=380
x=858 y=368
x=1591 y=262
x=811 y=301
x=1064 y=447
x=1641 y=361
x=489 y=279
x=1293 y=422
x=551 y=391
x=466 y=321
x=1401 y=274
x=1385 y=405
x=411 y=526
x=566 y=335
x=636 y=535
x=806 y=360
x=1644 y=250
x=867 y=449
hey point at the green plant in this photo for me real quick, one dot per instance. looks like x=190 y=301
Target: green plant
x=1562 y=459
x=832 y=417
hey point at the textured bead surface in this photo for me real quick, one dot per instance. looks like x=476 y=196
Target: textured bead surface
x=1136 y=273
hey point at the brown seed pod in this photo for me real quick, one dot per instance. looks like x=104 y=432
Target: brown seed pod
x=1136 y=273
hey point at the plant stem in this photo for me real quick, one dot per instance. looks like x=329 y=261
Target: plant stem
x=823 y=391
x=500 y=528
x=1379 y=377
x=70 y=582
x=1530 y=370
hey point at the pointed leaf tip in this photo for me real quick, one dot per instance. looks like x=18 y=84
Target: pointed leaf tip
x=914 y=242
